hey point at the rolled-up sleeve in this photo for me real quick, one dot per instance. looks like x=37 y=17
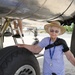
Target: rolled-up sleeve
x=44 y=42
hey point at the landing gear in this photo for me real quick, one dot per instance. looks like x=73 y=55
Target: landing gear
x=18 y=61
x=73 y=41
x=14 y=60
x=1 y=39
x=36 y=41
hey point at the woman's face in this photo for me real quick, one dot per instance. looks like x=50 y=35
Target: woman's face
x=54 y=32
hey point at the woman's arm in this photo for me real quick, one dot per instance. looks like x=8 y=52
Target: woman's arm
x=32 y=48
x=70 y=57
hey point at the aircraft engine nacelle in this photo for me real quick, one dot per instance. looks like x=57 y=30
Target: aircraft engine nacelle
x=38 y=9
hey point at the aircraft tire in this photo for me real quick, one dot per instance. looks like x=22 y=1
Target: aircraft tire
x=18 y=61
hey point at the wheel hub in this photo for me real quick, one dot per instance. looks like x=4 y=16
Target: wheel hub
x=25 y=70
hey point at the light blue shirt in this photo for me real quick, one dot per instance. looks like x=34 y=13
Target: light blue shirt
x=56 y=61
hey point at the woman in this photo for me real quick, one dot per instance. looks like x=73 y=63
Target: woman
x=53 y=56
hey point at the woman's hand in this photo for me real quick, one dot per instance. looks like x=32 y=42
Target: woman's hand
x=21 y=45
x=32 y=48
